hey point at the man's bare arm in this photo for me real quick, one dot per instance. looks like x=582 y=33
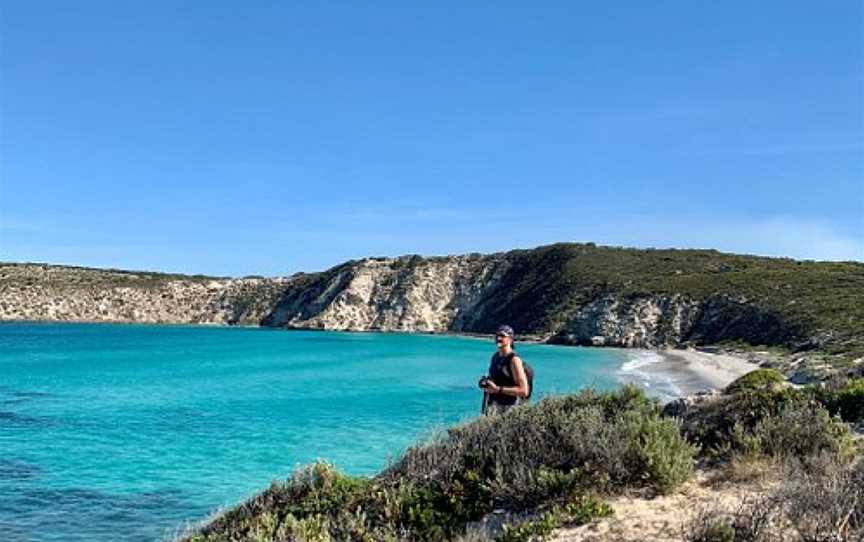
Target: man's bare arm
x=518 y=371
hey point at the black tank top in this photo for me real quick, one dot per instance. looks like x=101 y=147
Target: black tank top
x=500 y=373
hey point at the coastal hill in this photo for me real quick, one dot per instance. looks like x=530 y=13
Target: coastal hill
x=563 y=293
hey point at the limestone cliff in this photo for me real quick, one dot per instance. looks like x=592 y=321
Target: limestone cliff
x=570 y=294
x=670 y=320
x=44 y=292
x=400 y=294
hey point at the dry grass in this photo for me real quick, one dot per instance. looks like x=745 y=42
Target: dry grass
x=748 y=469
x=819 y=499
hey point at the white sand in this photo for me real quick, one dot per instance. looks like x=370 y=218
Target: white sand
x=691 y=371
x=712 y=370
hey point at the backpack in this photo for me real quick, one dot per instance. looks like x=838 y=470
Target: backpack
x=529 y=374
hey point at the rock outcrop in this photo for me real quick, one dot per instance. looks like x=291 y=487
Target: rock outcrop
x=431 y=295
x=671 y=320
x=55 y=293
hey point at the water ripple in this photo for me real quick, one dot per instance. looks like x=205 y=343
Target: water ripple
x=17 y=470
x=87 y=515
x=15 y=419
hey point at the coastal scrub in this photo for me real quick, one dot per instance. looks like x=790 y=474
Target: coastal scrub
x=552 y=462
x=780 y=423
x=760 y=379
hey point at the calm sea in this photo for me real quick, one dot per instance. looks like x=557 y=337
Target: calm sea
x=127 y=432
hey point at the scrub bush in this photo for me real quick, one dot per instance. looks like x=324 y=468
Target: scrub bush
x=750 y=521
x=787 y=422
x=824 y=500
x=713 y=527
x=606 y=441
x=760 y=379
x=802 y=432
x=819 y=499
x=845 y=400
x=572 y=514
x=551 y=456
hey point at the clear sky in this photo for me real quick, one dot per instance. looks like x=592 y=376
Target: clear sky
x=266 y=137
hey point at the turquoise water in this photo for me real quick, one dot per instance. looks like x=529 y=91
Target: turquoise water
x=126 y=432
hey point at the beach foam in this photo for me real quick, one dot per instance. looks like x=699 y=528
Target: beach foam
x=646 y=369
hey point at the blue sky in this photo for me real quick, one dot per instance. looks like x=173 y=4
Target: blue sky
x=273 y=137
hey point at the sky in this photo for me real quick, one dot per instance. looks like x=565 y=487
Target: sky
x=236 y=138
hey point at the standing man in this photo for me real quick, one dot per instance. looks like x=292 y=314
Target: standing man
x=507 y=383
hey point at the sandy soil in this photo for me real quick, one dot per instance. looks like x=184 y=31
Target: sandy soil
x=663 y=518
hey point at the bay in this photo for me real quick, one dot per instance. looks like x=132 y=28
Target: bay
x=127 y=432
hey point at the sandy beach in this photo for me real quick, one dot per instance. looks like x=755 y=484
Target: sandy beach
x=703 y=369
x=672 y=373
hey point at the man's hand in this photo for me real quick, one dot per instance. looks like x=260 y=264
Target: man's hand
x=492 y=387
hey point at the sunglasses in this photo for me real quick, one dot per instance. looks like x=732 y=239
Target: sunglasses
x=500 y=335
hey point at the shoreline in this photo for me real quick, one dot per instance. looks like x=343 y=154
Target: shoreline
x=686 y=371
x=680 y=371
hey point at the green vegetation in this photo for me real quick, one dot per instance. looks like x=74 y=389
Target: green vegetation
x=758 y=415
x=713 y=529
x=818 y=493
x=760 y=379
x=67 y=277
x=543 y=466
x=573 y=514
x=547 y=463
x=779 y=423
x=606 y=441
x=754 y=300
x=844 y=399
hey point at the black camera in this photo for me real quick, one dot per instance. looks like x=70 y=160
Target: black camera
x=484 y=381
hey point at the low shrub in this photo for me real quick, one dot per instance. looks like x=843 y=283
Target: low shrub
x=845 y=400
x=750 y=521
x=597 y=441
x=712 y=527
x=549 y=456
x=787 y=422
x=758 y=380
x=571 y=514
x=745 y=468
x=438 y=511
x=824 y=500
x=800 y=431
x=318 y=503
x=819 y=499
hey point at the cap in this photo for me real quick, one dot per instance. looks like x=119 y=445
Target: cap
x=505 y=330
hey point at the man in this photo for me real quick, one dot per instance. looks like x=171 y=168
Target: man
x=507 y=383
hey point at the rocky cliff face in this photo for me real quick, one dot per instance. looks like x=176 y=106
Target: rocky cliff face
x=401 y=294
x=672 y=320
x=43 y=292
x=634 y=321
x=542 y=292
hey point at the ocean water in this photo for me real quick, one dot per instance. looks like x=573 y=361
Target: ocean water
x=129 y=432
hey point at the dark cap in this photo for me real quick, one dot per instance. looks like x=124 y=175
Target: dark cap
x=505 y=330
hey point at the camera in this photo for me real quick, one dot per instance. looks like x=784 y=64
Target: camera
x=484 y=381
